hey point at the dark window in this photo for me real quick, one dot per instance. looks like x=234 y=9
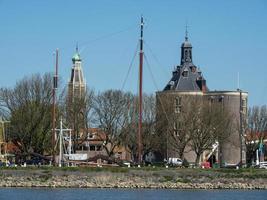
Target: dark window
x=85 y=147
x=98 y=148
x=92 y=147
x=175 y=128
x=90 y=136
x=79 y=148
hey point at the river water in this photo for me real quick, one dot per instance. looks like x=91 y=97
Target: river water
x=126 y=194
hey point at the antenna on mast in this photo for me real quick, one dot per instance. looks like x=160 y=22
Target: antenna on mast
x=186 y=32
x=238 y=81
x=77 y=48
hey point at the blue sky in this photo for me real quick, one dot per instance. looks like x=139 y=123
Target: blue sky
x=227 y=37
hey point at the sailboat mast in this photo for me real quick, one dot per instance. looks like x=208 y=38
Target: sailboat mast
x=140 y=94
x=55 y=81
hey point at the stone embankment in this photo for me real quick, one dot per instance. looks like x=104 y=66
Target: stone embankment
x=132 y=179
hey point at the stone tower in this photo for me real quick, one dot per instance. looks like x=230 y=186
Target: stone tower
x=188 y=85
x=76 y=85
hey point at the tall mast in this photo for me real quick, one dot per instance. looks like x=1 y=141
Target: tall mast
x=55 y=82
x=140 y=94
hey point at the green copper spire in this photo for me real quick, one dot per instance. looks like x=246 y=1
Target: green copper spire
x=76 y=56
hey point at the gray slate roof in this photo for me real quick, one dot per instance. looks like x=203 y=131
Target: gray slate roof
x=181 y=82
x=186 y=77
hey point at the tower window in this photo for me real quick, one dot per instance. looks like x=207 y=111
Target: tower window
x=244 y=105
x=185 y=73
x=178 y=105
x=190 y=54
x=177 y=128
x=186 y=55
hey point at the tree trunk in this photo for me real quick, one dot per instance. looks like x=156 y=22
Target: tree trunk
x=197 y=160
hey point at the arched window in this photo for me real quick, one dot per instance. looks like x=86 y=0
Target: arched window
x=185 y=73
x=190 y=54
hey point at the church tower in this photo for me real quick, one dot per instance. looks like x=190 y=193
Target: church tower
x=77 y=85
x=76 y=105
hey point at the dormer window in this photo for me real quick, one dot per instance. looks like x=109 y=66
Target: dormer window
x=90 y=135
x=185 y=73
x=193 y=69
x=171 y=84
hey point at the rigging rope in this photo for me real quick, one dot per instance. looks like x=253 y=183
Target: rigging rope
x=155 y=84
x=106 y=36
x=156 y=59
x=130 y=67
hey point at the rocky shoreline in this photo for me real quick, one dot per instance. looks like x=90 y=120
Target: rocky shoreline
x=149 y=180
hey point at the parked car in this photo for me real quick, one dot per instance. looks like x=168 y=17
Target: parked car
x=177 y=162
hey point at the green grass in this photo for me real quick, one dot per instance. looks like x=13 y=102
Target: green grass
x=161 y=172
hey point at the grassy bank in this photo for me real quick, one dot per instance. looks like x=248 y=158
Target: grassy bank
x=147 y=177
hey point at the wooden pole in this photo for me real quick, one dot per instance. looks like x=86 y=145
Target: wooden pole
x=140 y=95
x=55 y=82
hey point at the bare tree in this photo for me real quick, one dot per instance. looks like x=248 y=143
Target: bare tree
x=78 y=113
x=150 y=139
x=174 y=115
x=111 y=114
x=256 y=130
x=29 y=108
x=210 y=122
x=129 y=131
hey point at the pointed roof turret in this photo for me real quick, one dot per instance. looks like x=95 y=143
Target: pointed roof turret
x=186 y=43
x=76 y=56
x=186 y=50
x=186 y=76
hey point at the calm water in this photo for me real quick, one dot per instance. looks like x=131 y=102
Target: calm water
x=125 y=194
